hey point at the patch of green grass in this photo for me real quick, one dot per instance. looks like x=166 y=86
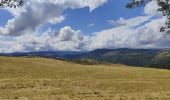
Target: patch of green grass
x=48 y=79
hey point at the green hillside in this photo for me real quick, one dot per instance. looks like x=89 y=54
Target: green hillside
x=48 y=79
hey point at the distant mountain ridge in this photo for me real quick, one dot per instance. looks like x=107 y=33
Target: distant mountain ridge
x=48 y=54
x=158 y=58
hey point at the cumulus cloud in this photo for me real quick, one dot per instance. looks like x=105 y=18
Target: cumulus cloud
x=37 y=12
x=151 y=8
x=142 y=34
x=138 y=32
x=65 y=39
x=68 y=34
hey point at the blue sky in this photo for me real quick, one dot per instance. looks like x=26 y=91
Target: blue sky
x=4 y=17
x=80 y=19
x=80 y=25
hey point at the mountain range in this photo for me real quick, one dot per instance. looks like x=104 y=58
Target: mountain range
x=157 y=58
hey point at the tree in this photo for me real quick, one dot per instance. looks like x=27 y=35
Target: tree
x=10 y=3
x=163 y=6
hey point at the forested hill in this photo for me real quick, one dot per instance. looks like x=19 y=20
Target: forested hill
x=159 y=58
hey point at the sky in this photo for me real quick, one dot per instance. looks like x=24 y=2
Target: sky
x=80 y=25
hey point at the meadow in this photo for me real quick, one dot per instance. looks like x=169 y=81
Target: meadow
x=50 y=79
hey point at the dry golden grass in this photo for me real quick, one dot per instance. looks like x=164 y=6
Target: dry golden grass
x=48 y=79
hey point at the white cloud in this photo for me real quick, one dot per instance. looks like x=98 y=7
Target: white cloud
x=138 y=32
x=57 y=20
x=142 y=34
x=37 y=12
x=65 y=39
x=68 y=34
x=91 y=25
x=92 y=4
x=130 y=22
x=152 y=8
x=112 y=22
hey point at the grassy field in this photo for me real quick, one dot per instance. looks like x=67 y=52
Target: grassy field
x=48 y=79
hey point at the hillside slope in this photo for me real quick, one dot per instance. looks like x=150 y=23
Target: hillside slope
x=48 y=79
x=157 y=58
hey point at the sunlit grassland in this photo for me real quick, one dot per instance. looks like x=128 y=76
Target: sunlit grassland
x=49 y=79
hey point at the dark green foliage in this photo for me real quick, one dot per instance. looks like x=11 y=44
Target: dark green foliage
x=86 y=61
x=11 y=3
x=162 y=59
x=137 y=3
